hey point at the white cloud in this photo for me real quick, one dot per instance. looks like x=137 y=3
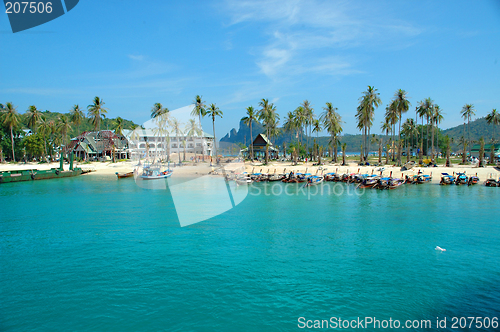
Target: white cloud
x=136 y=57
x=303 y=35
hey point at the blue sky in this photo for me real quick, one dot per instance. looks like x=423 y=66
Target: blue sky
x=133 y=54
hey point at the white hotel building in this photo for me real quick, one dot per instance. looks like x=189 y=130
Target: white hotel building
x=159 y=143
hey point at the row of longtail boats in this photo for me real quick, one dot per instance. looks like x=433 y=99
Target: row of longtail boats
x=371 y=181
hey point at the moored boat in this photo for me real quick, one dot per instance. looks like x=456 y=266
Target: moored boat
x=447 y=179
x=461 y=179
x=124 y=175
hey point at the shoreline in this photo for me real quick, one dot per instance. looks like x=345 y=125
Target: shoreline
x=108 y=168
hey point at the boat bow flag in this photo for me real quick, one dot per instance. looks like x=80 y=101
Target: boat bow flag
x=25 y=15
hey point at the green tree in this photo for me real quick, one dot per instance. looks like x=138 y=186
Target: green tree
x=33 y=117
x=76 y=116
x=213 y=112
x=33 y=145
x=332 y=122
x=437 y=117
x=401 y=104
x=365 y=113
x=64 y=126
x=467 y=112
x=248 y=119
x=267 y=114
x=97 y=112
x=11 y=119
x=158 y=110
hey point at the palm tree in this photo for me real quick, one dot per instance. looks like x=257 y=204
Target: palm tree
x=64 y=126
x=162 y=121
x=176 y=128
x=44 y=130
x=387 y=127
x=391 y=118
x=464 y=144
x=77 y=116
x=158 y=110
x=96 y=112
x=251 y=116
x=213 y=111
x=424 y=109
x=118 y=126
x=193 y=130
x=344 y=145
x=467 y=112
x=267 y=114
x=308 y=117
x=316 y=129
x=332 y=122
x=401 y=105
x=11 y=119
x=200 y=111
x=300 y=119
x=494 y=119
x=365 y=113
x=438 y=117
x=33 y=116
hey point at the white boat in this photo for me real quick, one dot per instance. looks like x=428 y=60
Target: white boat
x=243 y=179
x=314 y=180
x=154 y=172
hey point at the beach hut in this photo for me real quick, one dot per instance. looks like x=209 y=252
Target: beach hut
x=259 y=147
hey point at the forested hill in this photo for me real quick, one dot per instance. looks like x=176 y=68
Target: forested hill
x=478 y=128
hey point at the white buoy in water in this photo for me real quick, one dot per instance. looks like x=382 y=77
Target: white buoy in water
x=439 y=248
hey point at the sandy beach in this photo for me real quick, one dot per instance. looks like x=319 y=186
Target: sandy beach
x=204 y=168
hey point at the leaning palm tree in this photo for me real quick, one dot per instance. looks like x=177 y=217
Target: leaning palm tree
x=494 y=119
x=96 y=112
x=77 y=117
x=467 y=112
x=248 y=119
x=158 y=110
x=33 y=116
x=401 y=104
x=365 y=113
x=333 y=124
x=213 y=111
x=11 y=119
x=193 y=130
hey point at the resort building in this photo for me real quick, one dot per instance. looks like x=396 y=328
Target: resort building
x=149 y=142
x=99 y=145
x=260 y=144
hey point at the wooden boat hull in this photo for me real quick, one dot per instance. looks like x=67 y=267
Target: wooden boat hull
x=124 y=175
x=33 y=174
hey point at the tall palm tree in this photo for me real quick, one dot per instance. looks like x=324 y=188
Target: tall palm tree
x=365 y=113
x=248 y=119
x=467 y=112
x=391 y=118
x=193 y=130
x=11 y=119
x=118 y=126
x=77 y=117
x=300 y=120
x=401 y=104
x=44 y=129
x=333 y=124
x=317 y=127
x=199 y=111
x=424 y=109
x=96 y=112
x=437 y=117
x=158 y=110
x=267 y=114
x=33 y=116
x=494 y=119
x=308 y=117
x=176 y=127
x=213 y=111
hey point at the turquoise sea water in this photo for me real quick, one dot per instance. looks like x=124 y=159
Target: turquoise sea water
x=95 y=254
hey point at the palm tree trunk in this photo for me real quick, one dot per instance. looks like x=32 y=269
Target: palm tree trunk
x=399 y=143
x=251 y=141
x=12 y=140
x=215 y=140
